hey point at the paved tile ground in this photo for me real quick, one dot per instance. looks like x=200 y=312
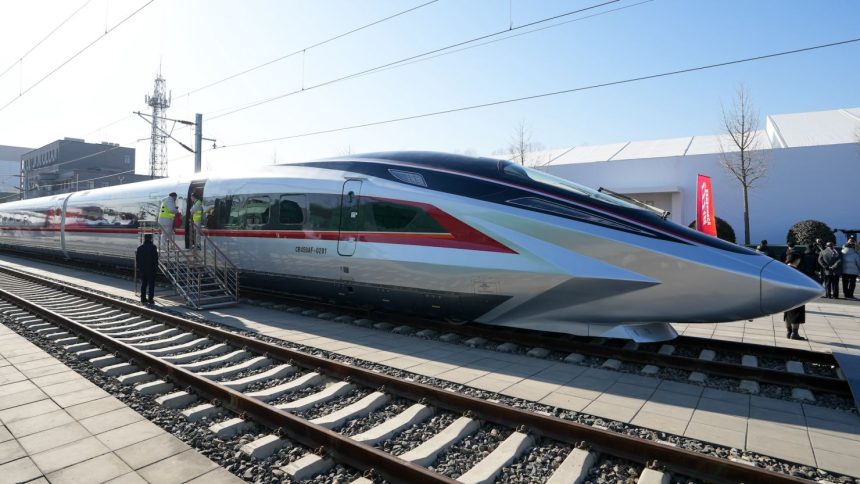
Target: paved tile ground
x=56 y=426
x=802 y=433
x=829 y=326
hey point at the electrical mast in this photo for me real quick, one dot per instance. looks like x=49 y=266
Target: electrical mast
x=159 y=101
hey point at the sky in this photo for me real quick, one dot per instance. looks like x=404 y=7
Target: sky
x=62 y=88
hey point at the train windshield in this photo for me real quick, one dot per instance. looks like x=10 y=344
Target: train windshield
x=539 y=176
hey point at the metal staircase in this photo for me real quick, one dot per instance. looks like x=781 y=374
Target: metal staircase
x=204 y=276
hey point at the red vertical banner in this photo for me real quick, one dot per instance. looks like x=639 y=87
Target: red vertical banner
x=706 y=221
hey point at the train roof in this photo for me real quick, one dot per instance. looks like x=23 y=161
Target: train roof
x=479 y=166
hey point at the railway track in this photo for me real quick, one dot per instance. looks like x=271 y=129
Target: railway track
x=790 y=373
x=700 y=358
x=211 y=373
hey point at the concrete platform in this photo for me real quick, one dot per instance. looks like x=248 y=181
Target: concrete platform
x=56 y=426
x=830 y=326
x=802 y=433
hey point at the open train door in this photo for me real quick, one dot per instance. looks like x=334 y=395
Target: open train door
x=349 y=219
x=196 y=187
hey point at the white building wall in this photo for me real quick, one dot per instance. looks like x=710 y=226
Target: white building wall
x=816 y=182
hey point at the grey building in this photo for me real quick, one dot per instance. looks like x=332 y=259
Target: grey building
x=71 y=164
x=10 y=172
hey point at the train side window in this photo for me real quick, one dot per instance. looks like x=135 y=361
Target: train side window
x=256 y=212
x=215 y=216
x=233 y=212
x=324 y=212
x=291 y=210
x=396 y=217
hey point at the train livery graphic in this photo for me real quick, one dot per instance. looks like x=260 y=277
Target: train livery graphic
x=438 y=235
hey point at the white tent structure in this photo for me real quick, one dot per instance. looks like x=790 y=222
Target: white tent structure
x=813 y=173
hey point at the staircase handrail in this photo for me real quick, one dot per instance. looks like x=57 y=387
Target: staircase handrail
x=175 y=263
x=223 y=268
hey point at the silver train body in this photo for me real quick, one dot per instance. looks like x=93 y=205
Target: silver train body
x=437 y=235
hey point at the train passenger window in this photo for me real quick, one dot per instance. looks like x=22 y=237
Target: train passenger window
x=324 y=212
x=256 y=212
x=233 y=207
x=218 y=217
x=396 y=217
x=291 y=209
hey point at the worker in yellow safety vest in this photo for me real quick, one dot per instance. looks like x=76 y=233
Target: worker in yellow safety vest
x=197 y=219
x=166 y=214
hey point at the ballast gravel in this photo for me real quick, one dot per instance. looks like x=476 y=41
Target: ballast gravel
x=417 y=434
x=326 y=408
x=387 y=412
x=464 y=455
x=536 y=465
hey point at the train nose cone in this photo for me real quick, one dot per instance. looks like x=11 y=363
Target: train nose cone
x=784 y=287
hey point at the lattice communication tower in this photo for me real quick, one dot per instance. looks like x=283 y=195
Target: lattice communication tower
x=159 y=101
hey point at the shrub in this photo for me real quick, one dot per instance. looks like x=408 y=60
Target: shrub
x=806 y=231
x=724 y=230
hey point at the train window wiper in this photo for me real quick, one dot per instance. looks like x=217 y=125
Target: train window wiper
x=664 y=214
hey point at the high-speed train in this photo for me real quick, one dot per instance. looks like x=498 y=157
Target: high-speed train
x=445 y=236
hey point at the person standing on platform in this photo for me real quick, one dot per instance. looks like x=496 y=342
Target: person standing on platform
x=166 y=214
x=850 y=269
x=814 y=251
x=196 y=220
x=830 y=263
x=794 y=317
x=147 y=265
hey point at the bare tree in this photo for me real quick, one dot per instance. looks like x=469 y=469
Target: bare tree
x=521 y=143
x=521 y=148
x=344 y=150
x=274 y=157
x=741 y=152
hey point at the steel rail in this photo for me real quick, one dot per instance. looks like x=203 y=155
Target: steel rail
x=340 y=448
x=817 y=357
x=360 y=456
x=562 y=342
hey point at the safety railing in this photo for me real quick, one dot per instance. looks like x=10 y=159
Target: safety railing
x=221 y=267
x=204 y=276
x=179 y=266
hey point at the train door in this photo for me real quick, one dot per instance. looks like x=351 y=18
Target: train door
x=196 y=188
x=349 y=218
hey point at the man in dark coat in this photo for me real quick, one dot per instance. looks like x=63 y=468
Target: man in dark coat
x=830 y=262
x=147 y=265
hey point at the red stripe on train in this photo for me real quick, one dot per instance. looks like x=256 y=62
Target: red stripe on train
x=405 y=238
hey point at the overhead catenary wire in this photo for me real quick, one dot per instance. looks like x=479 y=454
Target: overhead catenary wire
x=303 y=50
x=108 y=125
x=75 y=55
x=388 y=65
x=545 y=94
x=286 y=56
x=508 y=37
x=46 y=37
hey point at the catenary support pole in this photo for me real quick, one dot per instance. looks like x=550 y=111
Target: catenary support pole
x=198 y=142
